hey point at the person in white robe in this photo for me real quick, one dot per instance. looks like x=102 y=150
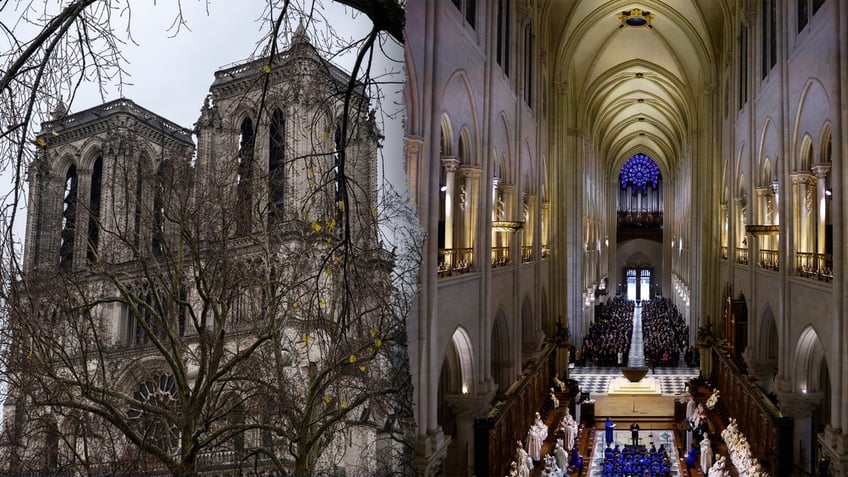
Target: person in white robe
x=706 y=454
x=560 y=455
x=522 y=457
x=690 y=408
x=534 y=444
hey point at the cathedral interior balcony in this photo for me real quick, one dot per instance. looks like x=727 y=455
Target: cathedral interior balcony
x=526 y=253
x=455 y=261
x=500 y=257
x=742 y=255
x=814 y=265
x=769 y=259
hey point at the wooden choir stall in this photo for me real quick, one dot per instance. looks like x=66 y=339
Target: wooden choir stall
x=768 y=432
x=496 y=434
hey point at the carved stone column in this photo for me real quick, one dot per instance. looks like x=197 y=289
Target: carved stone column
x=449 y=163
x=741 y=220
x=471 y=181
x=506 y=195
x=529 y=219
x=821 y=170
x=765 y=208
x=802 y=183
x=412 y=153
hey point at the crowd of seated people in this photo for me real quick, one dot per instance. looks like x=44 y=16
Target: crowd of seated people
x=665 y=332
x=636 y=461
x=607 y=342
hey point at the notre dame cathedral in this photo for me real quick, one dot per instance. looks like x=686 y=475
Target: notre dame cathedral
x=218 y=309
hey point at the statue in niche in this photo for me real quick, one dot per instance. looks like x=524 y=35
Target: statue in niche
x=500 y=208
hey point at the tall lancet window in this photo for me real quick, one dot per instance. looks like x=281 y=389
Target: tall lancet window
x=244 y=192
x=276 y=165
x=158 y=238
x=69 y=218
x=640 y=193
x=94 y=210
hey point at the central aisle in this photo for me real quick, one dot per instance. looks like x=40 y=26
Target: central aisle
x=636 y=358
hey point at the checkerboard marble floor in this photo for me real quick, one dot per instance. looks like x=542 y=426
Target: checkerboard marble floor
x=595 y=380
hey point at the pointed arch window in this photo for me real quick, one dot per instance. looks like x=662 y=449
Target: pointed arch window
x=276 y=165
x=69 y=218
x=94 y=210
x=158 y=238
x=244 y=174
x=502 y=46
x=768 y=30
x=469 y=10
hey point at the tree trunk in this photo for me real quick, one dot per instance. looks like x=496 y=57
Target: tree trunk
x=306 y=460
x=187 y=467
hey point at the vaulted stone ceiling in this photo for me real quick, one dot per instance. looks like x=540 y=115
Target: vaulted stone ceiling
x=636 y=88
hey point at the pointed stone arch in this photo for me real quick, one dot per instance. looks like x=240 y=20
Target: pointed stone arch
x=809 y=359
x=446 y=136
x=502 y=360
x=767 y=339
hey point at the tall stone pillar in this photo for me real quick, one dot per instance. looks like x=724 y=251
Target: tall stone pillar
x=821 y=170
x=546 y=227
x=412 y=151
x=802 y=207
x=507 y=193
x=469 y=204
x=741 y=220
x=449 y=163
x=529 y=219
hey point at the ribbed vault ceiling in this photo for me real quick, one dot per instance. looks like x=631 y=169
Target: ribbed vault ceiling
x=636 y=87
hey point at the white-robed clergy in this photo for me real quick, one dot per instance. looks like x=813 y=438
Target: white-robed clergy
x=535 y=437
x=569 y=429
x=706 y=454
x=560 y=454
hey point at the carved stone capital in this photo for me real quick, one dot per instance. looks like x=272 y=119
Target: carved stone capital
x=802 y=177
x=821 y=170
x=470 y=172
x=764 y=191
x=413 y=144
x=546 y=205
x=450 y=163
x=508 y=189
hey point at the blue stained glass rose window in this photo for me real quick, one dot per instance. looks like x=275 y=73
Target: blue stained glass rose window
x=639 y=172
